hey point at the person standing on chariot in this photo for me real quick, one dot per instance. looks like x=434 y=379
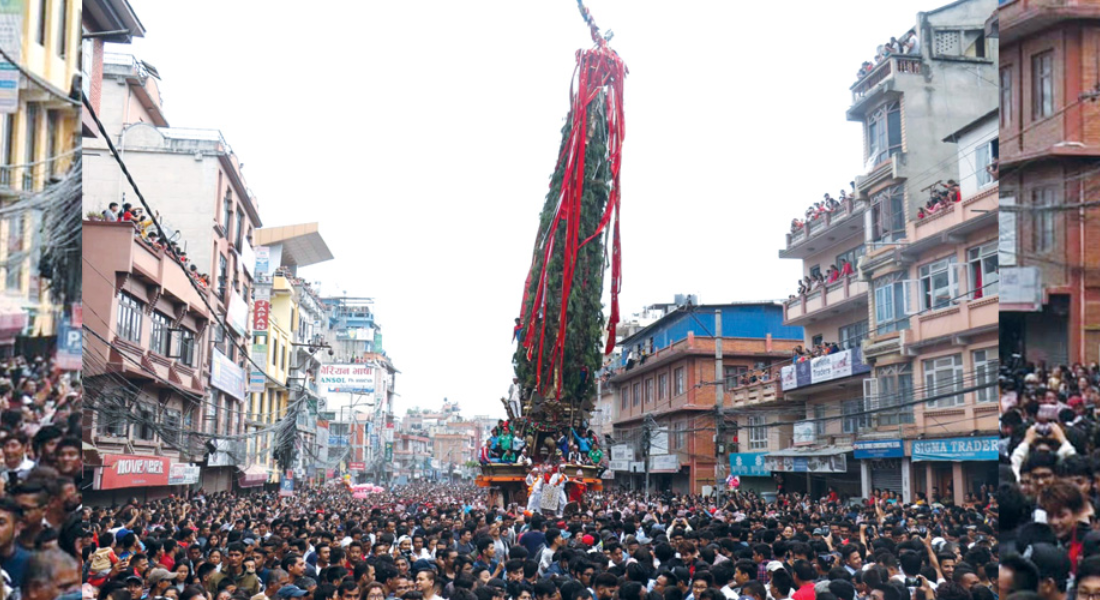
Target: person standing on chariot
x=535 y=495
x=558 y=481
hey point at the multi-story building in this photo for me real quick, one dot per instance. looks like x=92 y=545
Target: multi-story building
x=193 y=179
x=38 y=144
x=918 y=319
x=668 y=370
x=412 y=455
x=1049 y=83
x=287 y=338
x=146 y=366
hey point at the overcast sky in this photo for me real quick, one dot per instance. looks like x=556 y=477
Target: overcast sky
x=422 y=134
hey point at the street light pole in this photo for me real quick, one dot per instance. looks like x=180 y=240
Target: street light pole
x=719 y=399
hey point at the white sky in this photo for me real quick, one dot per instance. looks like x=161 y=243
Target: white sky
x=422 y=134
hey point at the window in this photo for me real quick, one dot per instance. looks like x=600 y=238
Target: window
x=53 y=140
x=1006 y=96
x=637 y=394
x=1042 y=233
x=223 y=278
x=13 y=279
x=943 y=375
x=982 y=264
x=732 y=373
x=158 y=334
x=852 y=335
x=227 y=212
x=984 y=156
x=662 y=386
x=890 y=304
x=87 y=54
x=129 y=318
x=938 y=284
x=678 y=432
x=819 y=420
x=146 y=425
x=40 y=37
x=758 y=434
x=888 y=215
x=815 y=271
x=817 y=339
x=112 y=419
x=678 y=375
x=1042 y=85
x=240 y=229
x=171 y=426
x=649 y=390
x=187 y=347
x=8 y=152
x=62 y=25
x=30 y=148
x=883 y=133
x=851 y=256
x=895 y=389
x=853 y=420
x=986 y=368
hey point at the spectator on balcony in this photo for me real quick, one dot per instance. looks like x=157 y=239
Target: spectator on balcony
x=911 y=43
x=846 y=269
x=111 y=212
x=834 y=274
x=127 y=214
x=796 y=224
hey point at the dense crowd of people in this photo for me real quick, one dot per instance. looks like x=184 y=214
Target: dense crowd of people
x=513 y=442
x=908 y=44
x=147 y=233
x=441 y=541
x=40 y=470
x=1050 y=426
x=942 y=196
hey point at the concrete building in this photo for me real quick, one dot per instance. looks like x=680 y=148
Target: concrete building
x=146 y=367
x=918 y=318
x=193 y=179
x=1050 y=296
x=668 y=371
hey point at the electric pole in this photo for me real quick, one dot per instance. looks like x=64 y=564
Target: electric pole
x=719 y=399
x=649 y=426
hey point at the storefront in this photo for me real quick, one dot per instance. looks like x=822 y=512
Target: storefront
x=125 y=476
x=883 y=467
x=825 y=468
x=951 y=468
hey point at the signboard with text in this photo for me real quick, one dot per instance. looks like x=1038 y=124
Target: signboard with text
x=622 y=453
x=261 y=311
x=183 y=474
x=804 y=433
x=824 y=368
x=664 y=463
x=347 y=378
x=955 y=449
x=837 y=463
x=226 y=375
x=125 y=471
x=748 y=464
x=879 y=449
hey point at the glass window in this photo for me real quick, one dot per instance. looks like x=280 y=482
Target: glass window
x=986 y=369
x=662 y=386
x=158 y=334
x=649 y=390
x=943 y=375
x=1006 y=96
x=15 y=259
x=852 y=335
x=187 y=347
x=171 y=426
x=227 y=212
x=758 y=433
x=622 y=398
x=819 y=420
x=637 y=394
x=129 y=317
x=938 y=284
x=895 y=389
x=851 y=256
x=223 y=278
x=1042 y=81
x=678 y=374
x=112 y=419
x=884 y=133
x=888 y=215
x=732 y=374
x=890 y=304
x=985 y=155
x=240 y=229
x=147 y=419
x=982 y=266
x=1042 y=233
x=854 y=421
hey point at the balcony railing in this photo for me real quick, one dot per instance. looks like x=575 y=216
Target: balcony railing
x=757 y=393
x=833 y=294
x=897 y=63
x=825 y=221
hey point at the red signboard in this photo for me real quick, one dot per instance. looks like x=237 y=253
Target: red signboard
x=77 y=318
x=357 y=466
x=261 y=310
x=125 y=470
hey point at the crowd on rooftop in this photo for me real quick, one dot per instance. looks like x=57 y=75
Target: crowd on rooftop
x=822 y=207
x=941 y=196
x=908 y=44
x=817 y=280
x=148 y=234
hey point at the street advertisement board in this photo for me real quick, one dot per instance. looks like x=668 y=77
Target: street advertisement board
x=126 y=471
x=824 y=368
x=286 y=486
x=237 y=313
x=837 y=463
x=879 y=449
x=955 y=449
x=664 y=463
x=618 y=465
x=622 y=452
x=748 y=464
x=69 y=346
x=183 y=474
x=226 y=375
x=347 y=378
x=357 y=467
x=804 y=433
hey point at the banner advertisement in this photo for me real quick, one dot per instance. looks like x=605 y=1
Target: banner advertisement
x=837 y=463
x=226 y=376
x=748 y=464
x=804 y=433
x=69 y=346
x=824 y=368
x=347 y=378
x=357 y=466
x=286 y=487
x=237 y=313
x=955 y=449
x=618 y=465
x=879 y=449
x=337 y=441
x=126 y=471
x=622 y=452
x=263 y=266
x=183 y=474
x=248 y=258
x=664 y=463
x=261 y=310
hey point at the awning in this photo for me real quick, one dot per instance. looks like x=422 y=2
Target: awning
x=797 y=452
x=253 y=476
x=13 y=320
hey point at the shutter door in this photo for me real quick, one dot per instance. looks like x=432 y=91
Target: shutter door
x=886 y=474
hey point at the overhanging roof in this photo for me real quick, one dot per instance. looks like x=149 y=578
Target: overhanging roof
x=302 y=244
x=829 y=451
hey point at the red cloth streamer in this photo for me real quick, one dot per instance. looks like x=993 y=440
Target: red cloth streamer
x=598 y=70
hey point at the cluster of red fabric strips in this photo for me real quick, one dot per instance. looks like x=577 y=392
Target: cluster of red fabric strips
x=598 y=70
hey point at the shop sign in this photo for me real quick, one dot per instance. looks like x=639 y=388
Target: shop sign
x=618 y=465
x=183 y=474
x=622 y=452
x=125 y=471
x=804 y=433
x=955 y=449
x=357 y=466
x=824 y=368
x=226 y=375
x=664 y=463
x=748 y=464
x=837 y=463
x=879 y=449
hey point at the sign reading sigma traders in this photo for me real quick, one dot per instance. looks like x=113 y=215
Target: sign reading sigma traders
x=955 y=449
x=353 y=378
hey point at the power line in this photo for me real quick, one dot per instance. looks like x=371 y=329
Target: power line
x=38 y=81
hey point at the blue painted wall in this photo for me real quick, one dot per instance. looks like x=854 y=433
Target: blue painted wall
x=744 y=321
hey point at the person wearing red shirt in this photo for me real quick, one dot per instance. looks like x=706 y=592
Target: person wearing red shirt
x=803 y=573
